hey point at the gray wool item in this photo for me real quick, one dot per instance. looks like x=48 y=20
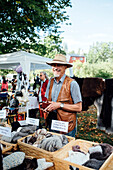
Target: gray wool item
x=93 y=163
x=52 y=143
x=64 y=139
x=28 y=129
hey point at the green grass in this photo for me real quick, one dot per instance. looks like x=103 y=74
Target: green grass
x=87 y=122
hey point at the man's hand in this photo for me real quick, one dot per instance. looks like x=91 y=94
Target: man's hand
x=52 y=106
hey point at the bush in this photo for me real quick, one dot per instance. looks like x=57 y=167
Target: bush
x=103 y=69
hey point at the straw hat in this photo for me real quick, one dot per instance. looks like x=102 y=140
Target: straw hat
x=59 y=59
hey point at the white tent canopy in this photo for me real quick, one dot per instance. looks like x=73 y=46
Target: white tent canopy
x=28 y=61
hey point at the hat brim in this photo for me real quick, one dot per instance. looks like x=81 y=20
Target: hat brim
x=58 y=62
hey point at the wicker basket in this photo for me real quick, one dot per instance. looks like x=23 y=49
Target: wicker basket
x=35 y=152
x=14 y=146
x=61 y=164
x=6 y=146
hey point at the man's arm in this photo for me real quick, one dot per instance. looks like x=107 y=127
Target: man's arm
x=76 y=96
x=68 y=107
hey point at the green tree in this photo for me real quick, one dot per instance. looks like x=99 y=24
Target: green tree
x=51 y=46
x=100 y=52
x=22 y=21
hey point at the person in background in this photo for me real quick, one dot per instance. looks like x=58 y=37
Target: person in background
x=42 y=90
x=14 y=84
x=63 y=94
x=36 y=81
x=4 y=86
x=43 y=85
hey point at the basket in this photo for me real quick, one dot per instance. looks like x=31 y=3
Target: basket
x=61 y=164
x=6 y=146
x=14 y=146
x=38 y=153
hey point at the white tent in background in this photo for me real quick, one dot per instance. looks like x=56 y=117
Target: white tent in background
x=28 y=61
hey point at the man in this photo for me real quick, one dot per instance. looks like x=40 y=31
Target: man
x=42 y=90
x=36 y=81
x=64 y=94
x=43 y=86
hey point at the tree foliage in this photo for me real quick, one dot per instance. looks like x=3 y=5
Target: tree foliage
x=101 y=69
x=100 y=52
x=50 y=46
x=21 y=22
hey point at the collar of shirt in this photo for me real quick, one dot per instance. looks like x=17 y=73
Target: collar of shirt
x=61 y=80
x=42 y=81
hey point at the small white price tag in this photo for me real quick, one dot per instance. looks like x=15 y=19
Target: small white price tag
x=32 y=121
x=59 y=125
x=22 y=122
x=6 y=131
x=2 y=114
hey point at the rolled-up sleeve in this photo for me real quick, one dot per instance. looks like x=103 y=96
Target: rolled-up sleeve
x=75 y=92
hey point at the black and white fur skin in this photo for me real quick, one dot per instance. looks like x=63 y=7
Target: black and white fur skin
x=101 y=151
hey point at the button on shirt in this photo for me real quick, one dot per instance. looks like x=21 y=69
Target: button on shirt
x=75 y=90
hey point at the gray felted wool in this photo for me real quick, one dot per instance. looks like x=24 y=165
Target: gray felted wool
x=48 y=135
x=51 y=144
x=28 y=129
x=13 y=160
x=64 y=140
x=8 y=139
x=18 y=135
x=93 y=163
x=42 y=164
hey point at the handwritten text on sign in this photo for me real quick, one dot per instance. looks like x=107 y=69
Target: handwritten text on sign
x=32 y=121
x=59 y=125
x=6 y=131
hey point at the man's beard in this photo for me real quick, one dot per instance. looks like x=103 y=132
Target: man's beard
x=56 y=75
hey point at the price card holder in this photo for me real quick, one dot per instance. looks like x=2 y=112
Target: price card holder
x=32 y=121
x=2 y=114
x=59 y=126
x=22 y=122
x=5 y=131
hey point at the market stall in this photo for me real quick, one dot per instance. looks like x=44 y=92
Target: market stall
x=28 y=61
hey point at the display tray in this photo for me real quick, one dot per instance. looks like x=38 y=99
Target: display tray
x=35 y=152
x=61 y=164
x=6 y=146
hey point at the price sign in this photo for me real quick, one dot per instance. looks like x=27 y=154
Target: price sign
x=59 y=125
x=32 y=121
x=6 y=131
x=2 y=114
x=22 y=122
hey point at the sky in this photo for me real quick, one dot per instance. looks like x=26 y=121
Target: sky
x=92 y=21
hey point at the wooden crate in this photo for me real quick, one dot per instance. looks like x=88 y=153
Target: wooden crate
x=38 y=153
x=61 y=164
x=6 y=146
